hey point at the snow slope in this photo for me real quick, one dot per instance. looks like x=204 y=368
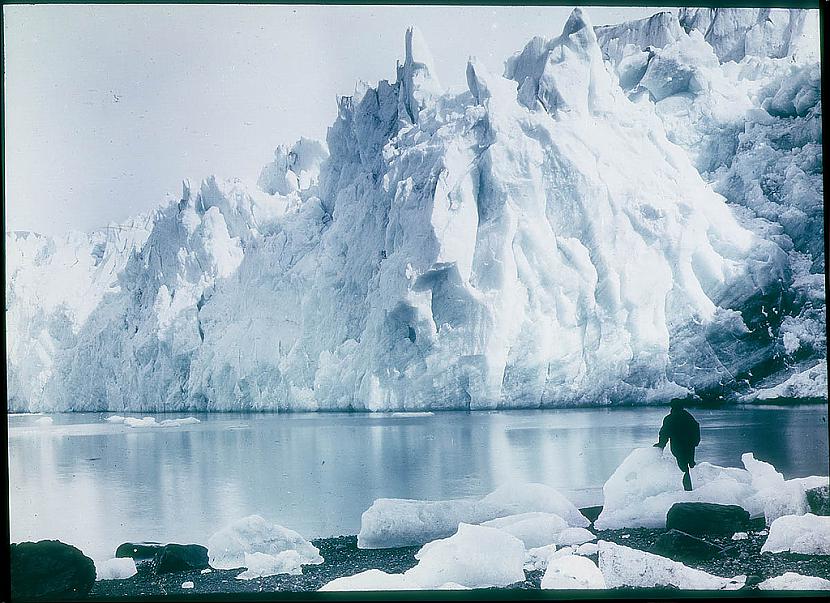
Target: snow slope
x=503 y=247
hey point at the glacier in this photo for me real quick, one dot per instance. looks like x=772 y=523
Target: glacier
x=630 y=213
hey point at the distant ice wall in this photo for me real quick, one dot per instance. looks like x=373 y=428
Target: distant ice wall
x=581 y=231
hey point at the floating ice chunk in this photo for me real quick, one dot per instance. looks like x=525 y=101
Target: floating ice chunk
x=407 y=415
x=188 y=584
x=207 y=570
x=572 y=572
x=794 y=581
x=807 y=534
x=533 y=529
x=513 y=498
x=622 y=566
x=574 y=536
x=260 y=565
x=740 y=536
x=179 y=422
x=44 y=422
x=140 y=423
x=228 y=547
x=589 y=548
x=115 y=569
x=475 y=556
x=648 y=482
x=151 y=421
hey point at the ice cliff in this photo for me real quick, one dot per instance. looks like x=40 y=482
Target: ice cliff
x=740 y=91
x=596 y=226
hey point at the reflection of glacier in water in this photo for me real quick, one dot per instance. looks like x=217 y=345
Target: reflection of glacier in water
x=97 y=484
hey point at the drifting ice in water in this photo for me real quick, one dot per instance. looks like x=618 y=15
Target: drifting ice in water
x=472 y=250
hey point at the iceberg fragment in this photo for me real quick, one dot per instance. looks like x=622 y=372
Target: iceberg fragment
x=261 y=565
x=647 y=483
x=629 y=568
x=398 y=522
x=807 y=534
x=572 y=572
x=533 y=529
x=232 y=546
x=475 y=557
x=795 y=581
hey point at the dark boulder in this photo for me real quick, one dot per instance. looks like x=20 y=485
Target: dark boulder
x=139 y=551
x=50 y=569
x=818 y=499
x=680 y=546
x=181 y=557
x=707 y=518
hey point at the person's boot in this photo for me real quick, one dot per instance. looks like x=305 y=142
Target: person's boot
x=687 y=481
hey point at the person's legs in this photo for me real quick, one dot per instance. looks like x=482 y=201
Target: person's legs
x=685 y=460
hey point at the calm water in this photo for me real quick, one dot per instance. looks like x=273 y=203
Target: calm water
x=96 y=485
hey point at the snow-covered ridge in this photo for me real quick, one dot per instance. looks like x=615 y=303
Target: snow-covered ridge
x=471 y=250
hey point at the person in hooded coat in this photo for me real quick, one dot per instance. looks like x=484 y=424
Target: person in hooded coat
x=681 y=428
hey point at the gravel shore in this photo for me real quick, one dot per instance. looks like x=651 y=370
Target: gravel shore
x=343 y=558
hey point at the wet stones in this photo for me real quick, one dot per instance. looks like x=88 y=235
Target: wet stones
x=680 y=546
x=50 y=569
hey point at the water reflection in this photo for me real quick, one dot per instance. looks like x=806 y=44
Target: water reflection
x=96 y=484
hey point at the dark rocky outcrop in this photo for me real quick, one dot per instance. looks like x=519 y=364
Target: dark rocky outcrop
x=681 y=546
x=139 y=551
x=181 y=557
x=166 y=558
x=707 y=518
x=50 y=570
x=818 y=499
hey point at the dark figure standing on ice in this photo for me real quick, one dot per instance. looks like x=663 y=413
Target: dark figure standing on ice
x=684 y=432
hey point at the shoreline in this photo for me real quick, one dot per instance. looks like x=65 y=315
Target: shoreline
x=343 y=558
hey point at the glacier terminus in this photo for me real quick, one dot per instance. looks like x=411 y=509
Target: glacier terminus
x=628 y=214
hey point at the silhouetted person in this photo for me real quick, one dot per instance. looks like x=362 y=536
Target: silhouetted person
x=683 y=431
